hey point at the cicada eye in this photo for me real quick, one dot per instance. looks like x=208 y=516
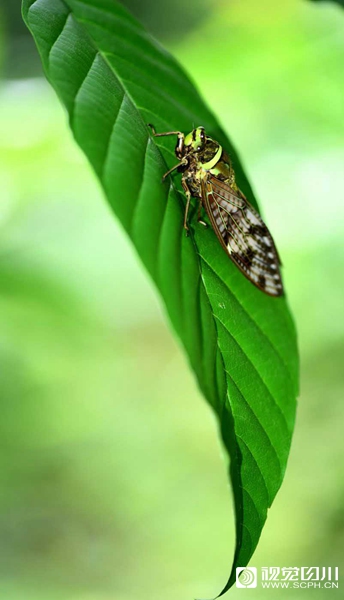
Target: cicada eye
x=202 y=135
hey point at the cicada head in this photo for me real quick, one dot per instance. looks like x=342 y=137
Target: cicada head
x=195 y=140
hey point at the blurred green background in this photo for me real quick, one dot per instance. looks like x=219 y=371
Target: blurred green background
x=113 y=483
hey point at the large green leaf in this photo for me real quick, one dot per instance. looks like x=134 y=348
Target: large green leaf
x=113 y=79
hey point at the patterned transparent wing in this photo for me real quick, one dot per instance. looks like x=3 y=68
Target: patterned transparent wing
x=243 y=234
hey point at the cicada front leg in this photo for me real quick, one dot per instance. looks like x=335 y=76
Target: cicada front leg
x=180 y=135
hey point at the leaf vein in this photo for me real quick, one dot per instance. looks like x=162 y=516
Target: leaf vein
x=258 y=373
x=72 y=111
x=256 y=419
x=135 y=27
x=274 y=349
x=253 y=503
x=108 y=146
x=255 y=461
x=137 y=203
x=58 y=37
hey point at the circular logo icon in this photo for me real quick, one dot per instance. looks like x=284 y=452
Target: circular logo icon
x=246 y=577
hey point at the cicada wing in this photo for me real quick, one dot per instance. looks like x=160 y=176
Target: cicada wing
x=243 y=234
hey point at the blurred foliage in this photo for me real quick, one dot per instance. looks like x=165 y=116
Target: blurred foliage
x=171 y=19
x=109 y=481
x=341 y=2
x=168 y=20
x=17 y=43
x=2 y=40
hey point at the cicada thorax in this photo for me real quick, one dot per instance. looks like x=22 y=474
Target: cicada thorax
x=211 y=160
x=223 y=170
x=217 y=162
x=200 y=163
x=208 y=153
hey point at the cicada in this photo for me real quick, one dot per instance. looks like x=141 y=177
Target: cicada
x=208 y=175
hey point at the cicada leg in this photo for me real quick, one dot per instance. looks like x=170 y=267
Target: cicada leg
x=164 y=133
x=182 y=163
x=188 y=198
x=180 y=144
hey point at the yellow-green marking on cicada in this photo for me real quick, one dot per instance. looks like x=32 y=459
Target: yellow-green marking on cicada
x=208 y=175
